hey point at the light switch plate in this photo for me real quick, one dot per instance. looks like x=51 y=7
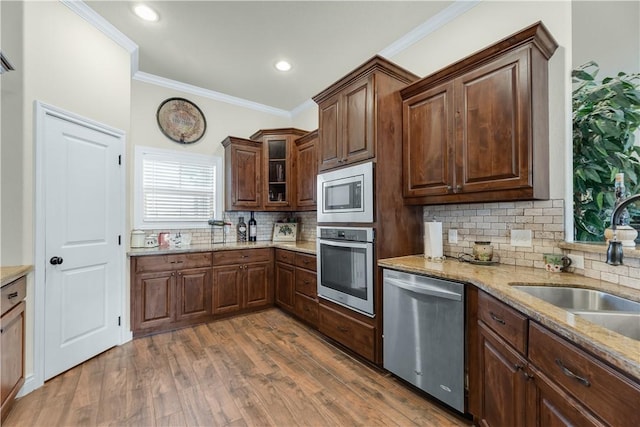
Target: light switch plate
x=453 y=235
x=521 y=238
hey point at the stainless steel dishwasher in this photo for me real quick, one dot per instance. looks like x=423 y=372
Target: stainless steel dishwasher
x=423 y=334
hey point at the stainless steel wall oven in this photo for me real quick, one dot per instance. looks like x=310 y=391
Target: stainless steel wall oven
x=346 y=267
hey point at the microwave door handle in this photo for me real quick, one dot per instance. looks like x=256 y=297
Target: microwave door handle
x=424 y=289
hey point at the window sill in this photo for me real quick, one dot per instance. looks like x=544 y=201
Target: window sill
x=599 y=248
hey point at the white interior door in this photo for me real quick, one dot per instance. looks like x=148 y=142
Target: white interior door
x=83 y=280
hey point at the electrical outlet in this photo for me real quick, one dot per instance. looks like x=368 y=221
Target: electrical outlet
x=577 y=261
x=453 y=235
x=521 y=238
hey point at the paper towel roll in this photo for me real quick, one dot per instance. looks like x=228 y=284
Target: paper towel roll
x=433 y=240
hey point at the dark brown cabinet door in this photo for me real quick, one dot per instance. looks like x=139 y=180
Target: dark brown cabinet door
x=549 y=406
x=227 y=288
x=502 y=381
x=154 y=298
x=428 y=153
x=284 y=282
x=492 y=130
x=358 y=121
x=244 y=176
x=193 y=293
x=12 y=363
x=258 y=280
x=329 y=134
x=307 y=171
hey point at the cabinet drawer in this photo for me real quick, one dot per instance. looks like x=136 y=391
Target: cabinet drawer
x=13 y=293
x=611 y=396
x=504 y=320
x=306 y=283
x=241 y=256
x=173 y=262
x=306 y=261
x=352 y=333
x=285 y=256
x=307 y=309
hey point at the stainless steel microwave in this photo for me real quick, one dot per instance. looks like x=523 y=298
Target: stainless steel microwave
x=346 y=195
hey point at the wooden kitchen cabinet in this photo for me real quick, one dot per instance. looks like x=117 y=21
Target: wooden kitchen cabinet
x=12 y=342
x=243 y=174
x=169 y=291
x=345 y=328
x=296 y=290
x=242 y=279
x=521 y=373
x=306 y=171
x=474 y=131
x=353 y=113
x=279 y=167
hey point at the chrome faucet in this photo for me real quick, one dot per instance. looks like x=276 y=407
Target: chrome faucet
x=614 y=251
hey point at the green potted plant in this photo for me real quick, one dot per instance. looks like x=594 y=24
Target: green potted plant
x=606 y=114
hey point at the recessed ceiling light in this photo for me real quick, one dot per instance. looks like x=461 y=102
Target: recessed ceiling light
x=145 y=12
x=283 y=66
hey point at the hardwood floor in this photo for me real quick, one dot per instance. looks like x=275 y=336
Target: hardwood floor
x=258 y=369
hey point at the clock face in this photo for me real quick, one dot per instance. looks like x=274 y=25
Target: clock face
x=181 y=120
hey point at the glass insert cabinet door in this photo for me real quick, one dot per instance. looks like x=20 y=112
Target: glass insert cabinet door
x=277 y=170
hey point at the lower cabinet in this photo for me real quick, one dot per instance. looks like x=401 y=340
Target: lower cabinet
x=169 y=291
x=242 y=279
x=295 y=285
x=348 y=331
x=12 y=363
x=521 y=373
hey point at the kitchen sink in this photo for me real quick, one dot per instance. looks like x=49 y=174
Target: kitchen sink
x=580 y=299
x=615 y=313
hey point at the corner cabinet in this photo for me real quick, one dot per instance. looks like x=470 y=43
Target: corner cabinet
x=352 y=112
x=243 y=174
x=473 y=131
x=279 y=167
x=307 y=171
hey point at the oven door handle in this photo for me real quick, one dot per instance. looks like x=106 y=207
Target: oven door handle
x=345 y=243
x=425 y=289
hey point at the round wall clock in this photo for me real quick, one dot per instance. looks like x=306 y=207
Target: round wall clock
x=181 y=120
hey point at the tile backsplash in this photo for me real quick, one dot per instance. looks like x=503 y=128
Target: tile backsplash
x=545 y=218
x=265 y=220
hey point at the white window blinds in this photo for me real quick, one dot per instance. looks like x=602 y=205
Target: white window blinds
x=176 y=188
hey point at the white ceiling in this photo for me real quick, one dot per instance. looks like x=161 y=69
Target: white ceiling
x=229 y=47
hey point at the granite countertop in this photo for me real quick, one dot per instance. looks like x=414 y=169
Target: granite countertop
x=304 y=246
x=497 y=280
x=11 y=273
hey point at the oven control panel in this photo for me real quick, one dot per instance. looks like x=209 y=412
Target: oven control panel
x=355 y=234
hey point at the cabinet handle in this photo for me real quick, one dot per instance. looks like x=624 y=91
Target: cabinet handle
x=458 y=187
x=343 y=329
x=244 y=256
x=306 y=282
x=12 y=295
x=519 y=367
x=496 y=318
x=570 y=374
x=173 y=274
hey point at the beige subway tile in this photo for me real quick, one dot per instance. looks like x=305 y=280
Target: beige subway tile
x=609 y=277
x=631 y=282
x=543 y=203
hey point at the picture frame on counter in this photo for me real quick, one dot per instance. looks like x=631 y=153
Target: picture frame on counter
x=285 y=232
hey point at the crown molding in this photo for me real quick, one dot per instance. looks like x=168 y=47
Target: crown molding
x=206 y=93
x=429 y=26
x=421 y=31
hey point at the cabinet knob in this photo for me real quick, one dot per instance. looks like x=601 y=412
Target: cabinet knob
x=458 y=187
x=449 y=188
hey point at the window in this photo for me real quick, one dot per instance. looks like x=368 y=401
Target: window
x=175 y=189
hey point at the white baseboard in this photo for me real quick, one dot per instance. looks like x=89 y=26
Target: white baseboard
x=28 y=386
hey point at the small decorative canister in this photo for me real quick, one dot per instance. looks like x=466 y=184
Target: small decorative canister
x=483 y=251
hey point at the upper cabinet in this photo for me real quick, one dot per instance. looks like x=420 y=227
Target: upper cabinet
x=279 y=171
x=352 y=110
x=473 y=130
x=243 y=174
x=306 y=171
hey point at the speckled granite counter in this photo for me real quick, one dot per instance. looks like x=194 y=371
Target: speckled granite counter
x=497 y=280
x=308 y=247
x=11 y=273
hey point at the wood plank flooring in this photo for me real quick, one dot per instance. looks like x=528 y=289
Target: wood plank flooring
x=260 y=369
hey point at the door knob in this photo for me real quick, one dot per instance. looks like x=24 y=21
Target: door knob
x=56 y=260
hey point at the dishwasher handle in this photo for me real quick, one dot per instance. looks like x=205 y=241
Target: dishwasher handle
x=425 y=289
